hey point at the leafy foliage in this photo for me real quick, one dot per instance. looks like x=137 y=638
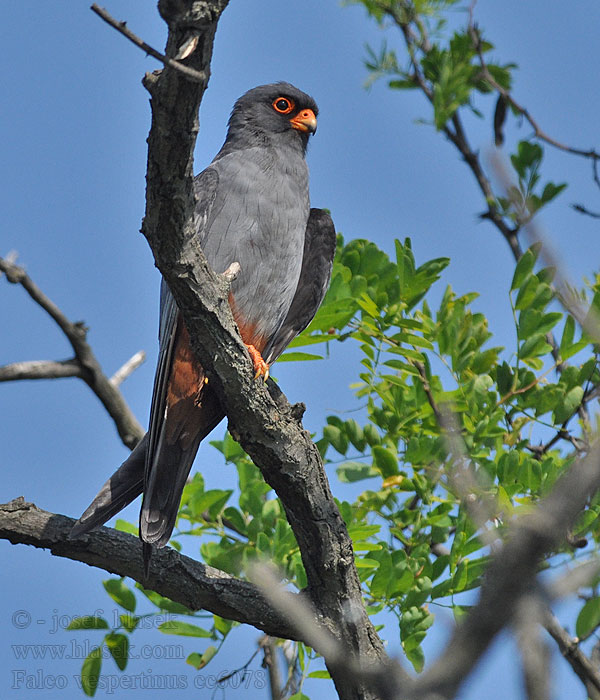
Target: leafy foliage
x=417 y=547
x=454 y=71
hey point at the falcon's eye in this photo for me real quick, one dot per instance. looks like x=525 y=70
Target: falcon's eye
x=283 y=105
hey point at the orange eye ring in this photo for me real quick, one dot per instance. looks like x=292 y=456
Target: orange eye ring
x=283 y=105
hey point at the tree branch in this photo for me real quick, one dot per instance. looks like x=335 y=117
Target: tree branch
x=173 y=575
x=569 y=648
x=510 y=576
x=537 y=130
x=269 y=432
x=130 y=431
x=128 y=368
x=457 y=135
x=40 y=369
x=122 y=28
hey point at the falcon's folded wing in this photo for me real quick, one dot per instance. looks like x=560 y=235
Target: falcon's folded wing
x=317 y=261
x=184 y=409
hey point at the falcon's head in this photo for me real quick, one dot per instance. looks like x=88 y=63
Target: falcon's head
x=273 y=113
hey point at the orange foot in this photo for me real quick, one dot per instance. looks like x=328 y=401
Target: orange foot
x=260 y=366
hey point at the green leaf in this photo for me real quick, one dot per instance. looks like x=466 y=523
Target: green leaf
x=523 y=269
x=319 y=674
x=164 y=603
x=527 y=158
x=355 y=434
x=504 y=378
x=129 y=622
x=368 y=306
x=299 y=357
x=527 y=292
x=551 y=190
x=371 y=434
x=460 y=611
x=574 y=349
x=548 y=321
x=212 y=501
x=336 y=438
x=584 y=521
x=460 y=578
x=120 y=593
x=90 y=671
x=363 y=531
x=222 y=625
x=385 y=460
x=234 y=519
x=568 y=335
x=401 y=583
x=88 y=622
x=407 y=352
x=365 y=563
x=118 y=646
x=569 y=404
x=414 y=652
x=199 y=661
x=534 y=347
x=355 y=471
x=305 y=339
x=183 y=629
x=588 y=619
x=124 y=526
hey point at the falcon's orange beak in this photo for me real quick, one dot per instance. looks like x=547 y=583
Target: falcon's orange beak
x=305 y=121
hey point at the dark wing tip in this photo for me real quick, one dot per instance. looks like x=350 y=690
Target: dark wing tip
x=121 y=488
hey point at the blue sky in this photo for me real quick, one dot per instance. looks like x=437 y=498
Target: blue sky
x=75 y=117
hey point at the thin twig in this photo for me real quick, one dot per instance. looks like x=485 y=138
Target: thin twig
x=221 y=680
x=569 y=648
x=584 y=210
x=588 y=318
x=510 y=575
x=458 y=137
x=121 y=27
x=270 y=662
x=538 y=131
x=128 y=368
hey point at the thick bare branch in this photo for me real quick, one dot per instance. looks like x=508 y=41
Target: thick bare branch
x=130 y=431
x=173 y=575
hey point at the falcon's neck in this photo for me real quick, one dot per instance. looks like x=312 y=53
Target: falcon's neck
x=240 y=138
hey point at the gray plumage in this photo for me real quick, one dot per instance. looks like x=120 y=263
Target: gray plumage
x=252 y=208
x=317 y=261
